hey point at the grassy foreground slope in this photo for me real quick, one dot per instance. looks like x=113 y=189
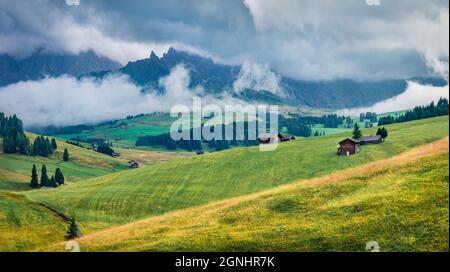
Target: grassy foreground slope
x=126 y=196
x=25 y=225
x=402 y=203
x=15 y=169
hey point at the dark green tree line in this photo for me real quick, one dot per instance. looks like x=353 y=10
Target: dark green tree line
x=420 y=112
x=14 y=139
x=55 y=180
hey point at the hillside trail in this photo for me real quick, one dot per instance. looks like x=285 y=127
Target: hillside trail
x=62 y=216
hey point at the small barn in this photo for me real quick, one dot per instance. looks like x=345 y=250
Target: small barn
x=271 y=138
x=133 y=164
x=348 y=147
x=371 y=140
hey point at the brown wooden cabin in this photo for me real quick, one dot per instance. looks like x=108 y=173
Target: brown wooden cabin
x=270 y=138
x=371 y=140
x=348 y=147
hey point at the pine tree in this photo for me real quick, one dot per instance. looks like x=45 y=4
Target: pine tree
x=23 y=144
x=59 y=176
x=357 y=132
x=72 y=231
x=54 y=145
x=44 y=177
x=14 y=140
x=52 y=183
x=384 y=133
x=48 y=145
x=34 y=178
x=7 y=145
x=66 y=155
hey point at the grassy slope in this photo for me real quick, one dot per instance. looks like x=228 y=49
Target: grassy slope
x=402 y=203
x=15 y=170
x=151 y=124
x=25 y=225
x=150 y=157
x=123 y=197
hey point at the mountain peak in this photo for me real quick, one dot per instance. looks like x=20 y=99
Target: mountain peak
x=153 y=56
x=172 y=50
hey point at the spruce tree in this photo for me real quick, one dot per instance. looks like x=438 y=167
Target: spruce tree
x=59 y=177
x=34 y=178
x=357 y=134
x=44 y=177
x=52 y=183
x=384 y=133
x=24 y=144
x=72 y=231
x=7 y=145
x=66 y=155
x=54 y=145
x=48 y=145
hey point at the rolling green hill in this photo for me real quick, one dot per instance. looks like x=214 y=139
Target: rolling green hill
x=15 y=169
x=127 y=196
x=25 y=225
x=402 y=203
x=124 y=133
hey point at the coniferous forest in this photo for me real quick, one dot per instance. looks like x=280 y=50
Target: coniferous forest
x=420 y=112
x=14 y=139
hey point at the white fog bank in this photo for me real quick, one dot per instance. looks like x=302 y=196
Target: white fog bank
x=415 y=95
x=65 y=100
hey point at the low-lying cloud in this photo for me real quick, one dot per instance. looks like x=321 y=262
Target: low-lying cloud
x=68 y=101
x=415 y=95
x=257 y=77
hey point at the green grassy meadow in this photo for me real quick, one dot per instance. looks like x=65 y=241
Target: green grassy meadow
x=25 y=225
x=403 y=204
x=126 y=136
x=15 y=169
x=329 y=131
x=123 y=197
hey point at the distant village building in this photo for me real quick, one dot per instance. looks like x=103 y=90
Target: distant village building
x=348 y=147
x=133 y=164
x=377 y=139
x=271 y=138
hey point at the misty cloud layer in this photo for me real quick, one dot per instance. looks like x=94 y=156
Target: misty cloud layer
x=68 y=101
x=258 y=77
x=305 y=39
x=415 y=95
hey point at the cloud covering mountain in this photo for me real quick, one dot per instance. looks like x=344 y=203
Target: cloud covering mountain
x=302 y=39
x=70 y=101
x=415 y=95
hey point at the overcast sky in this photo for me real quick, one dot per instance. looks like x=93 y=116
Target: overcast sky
x=305 y=39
